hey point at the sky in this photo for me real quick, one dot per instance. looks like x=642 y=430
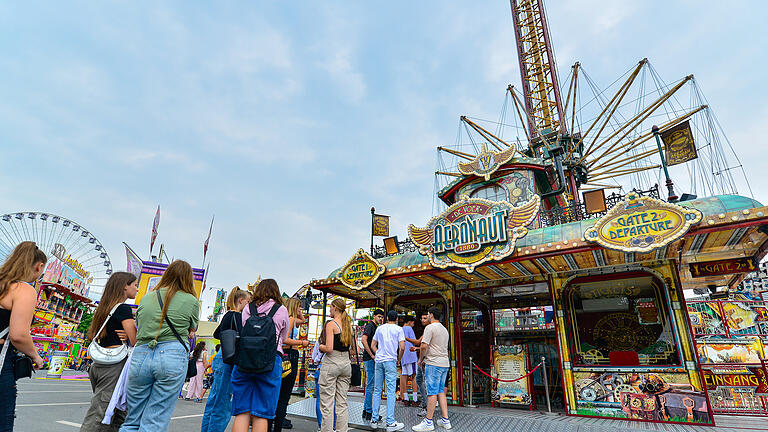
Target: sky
x=288 y=121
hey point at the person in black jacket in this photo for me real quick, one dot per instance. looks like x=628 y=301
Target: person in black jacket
x=218 y=408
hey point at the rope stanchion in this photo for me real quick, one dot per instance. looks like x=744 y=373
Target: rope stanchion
x=508 y=381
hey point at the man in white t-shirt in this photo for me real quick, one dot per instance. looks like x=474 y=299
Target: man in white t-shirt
x=434 y=355
x=388 y=346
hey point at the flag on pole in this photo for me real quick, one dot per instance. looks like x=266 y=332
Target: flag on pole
x=205 y=245
x=155 y=223
x=205 y=278
x=134 y=262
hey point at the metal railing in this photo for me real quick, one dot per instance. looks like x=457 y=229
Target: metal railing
x=577 y=211
x=405 y=246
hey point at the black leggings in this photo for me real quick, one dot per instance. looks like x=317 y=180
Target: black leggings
x=285 y=391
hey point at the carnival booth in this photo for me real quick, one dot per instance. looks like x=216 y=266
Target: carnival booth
x=587 y=316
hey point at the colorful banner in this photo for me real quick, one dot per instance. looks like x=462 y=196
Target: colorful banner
x=679 y=144
x=152 y=272
x=380 y=225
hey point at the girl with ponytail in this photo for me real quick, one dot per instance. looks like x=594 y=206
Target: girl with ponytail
x=335 y=374
x=23 y=267
x=218 y=408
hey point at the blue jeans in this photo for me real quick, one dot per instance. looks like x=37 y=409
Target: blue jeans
x=7 y=391
x=370 y=379
x=319 y=414
x=420 y=384
x=154 y=381
x=218 y=409
x=388 y=370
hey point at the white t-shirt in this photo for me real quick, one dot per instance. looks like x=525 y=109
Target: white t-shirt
x=436 y=339
x=388 y=338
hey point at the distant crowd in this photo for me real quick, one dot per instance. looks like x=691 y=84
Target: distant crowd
x=139 y=365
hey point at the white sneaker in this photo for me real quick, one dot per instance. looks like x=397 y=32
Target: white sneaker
x=424 y=427
x=374 y=425
x=421 y=412
x=444 y=423
x=396 y=426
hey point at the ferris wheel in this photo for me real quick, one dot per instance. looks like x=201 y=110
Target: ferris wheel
x=67 y=244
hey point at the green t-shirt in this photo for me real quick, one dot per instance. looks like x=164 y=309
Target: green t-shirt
x=183 y=312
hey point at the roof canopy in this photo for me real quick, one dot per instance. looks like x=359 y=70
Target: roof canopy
x=730 y=228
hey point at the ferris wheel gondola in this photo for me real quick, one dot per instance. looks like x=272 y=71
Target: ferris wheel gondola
x=63 y=240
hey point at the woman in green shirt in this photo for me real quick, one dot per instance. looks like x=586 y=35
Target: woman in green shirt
x=159 y=362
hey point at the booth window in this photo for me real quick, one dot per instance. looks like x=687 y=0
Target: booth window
x=491 y=193
x=620 y=322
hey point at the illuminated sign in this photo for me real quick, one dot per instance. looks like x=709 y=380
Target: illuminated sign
x=487 y=162
x=642 y=224
x=360 y=271
x=474 y=231
x=721 y=267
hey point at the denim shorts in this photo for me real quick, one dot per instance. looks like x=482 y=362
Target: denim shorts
x=435 y=376
x=257 y=393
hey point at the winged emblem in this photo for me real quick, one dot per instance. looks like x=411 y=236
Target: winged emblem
x=487 y=162
x=473 y=231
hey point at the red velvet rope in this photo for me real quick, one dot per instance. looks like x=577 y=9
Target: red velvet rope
x=508 y=381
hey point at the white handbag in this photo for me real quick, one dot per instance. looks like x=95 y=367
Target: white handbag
x=107 y=356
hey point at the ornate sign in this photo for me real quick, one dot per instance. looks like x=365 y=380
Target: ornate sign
x=679 y=145
x=755 y=378
x=721 y=267
x=642 y=224
x=510 y=364
x=487 y=162
x=360 y=271
x=474 y=231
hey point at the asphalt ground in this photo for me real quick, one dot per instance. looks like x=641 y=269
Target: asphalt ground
x=52 y=405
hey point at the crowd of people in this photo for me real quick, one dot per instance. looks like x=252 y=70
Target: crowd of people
x=139 y=365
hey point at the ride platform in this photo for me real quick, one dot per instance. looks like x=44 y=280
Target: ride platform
x=483 y=419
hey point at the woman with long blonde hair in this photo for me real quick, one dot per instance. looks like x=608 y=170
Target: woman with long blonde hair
x=159 y=363
x=336 y=372
x=23 y=267
x=113 y=315
x=218 y=408
x=295 y=319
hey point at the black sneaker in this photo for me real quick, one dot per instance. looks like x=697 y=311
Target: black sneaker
x=366 y=416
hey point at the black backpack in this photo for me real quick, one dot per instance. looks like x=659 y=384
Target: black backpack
x=257 y=344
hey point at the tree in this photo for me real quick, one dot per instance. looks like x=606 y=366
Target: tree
x=85 y=322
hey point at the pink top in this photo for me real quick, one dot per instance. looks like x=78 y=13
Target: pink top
x=280 y=319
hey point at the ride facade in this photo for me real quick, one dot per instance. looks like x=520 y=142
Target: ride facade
x=537 y=265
